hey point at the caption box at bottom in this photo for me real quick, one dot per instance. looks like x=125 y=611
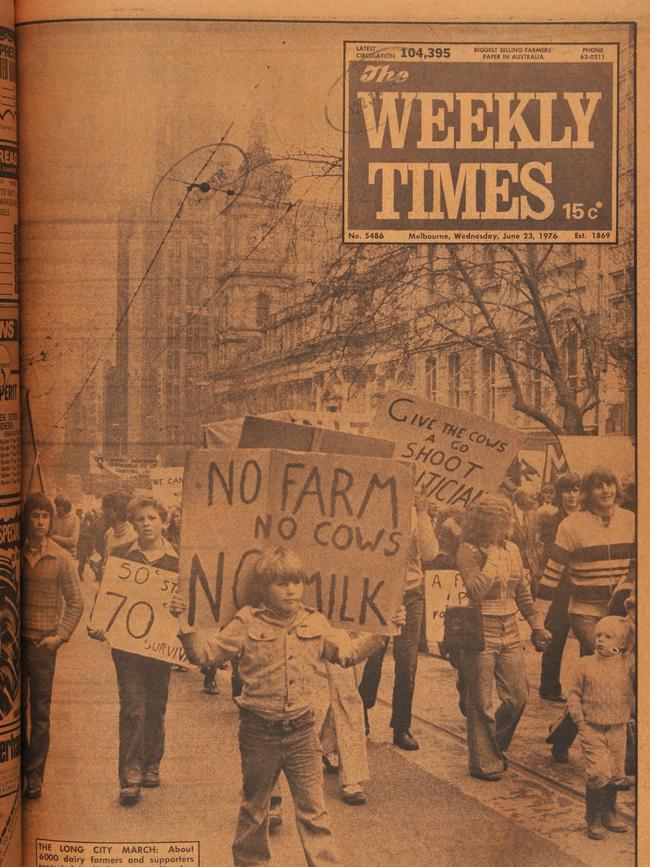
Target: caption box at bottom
x=70 y=853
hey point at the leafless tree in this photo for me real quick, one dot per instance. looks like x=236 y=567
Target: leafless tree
x=539 y=309
x=534 y=307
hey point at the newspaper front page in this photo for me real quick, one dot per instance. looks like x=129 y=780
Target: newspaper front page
x=322 y=318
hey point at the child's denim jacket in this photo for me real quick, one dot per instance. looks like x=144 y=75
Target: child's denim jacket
x=281 y=666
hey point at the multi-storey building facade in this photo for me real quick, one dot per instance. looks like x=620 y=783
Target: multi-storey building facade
x=409 y=322
x=254 y=306
x=187 y=288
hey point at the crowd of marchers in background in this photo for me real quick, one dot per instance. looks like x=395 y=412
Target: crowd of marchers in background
x=564 y=558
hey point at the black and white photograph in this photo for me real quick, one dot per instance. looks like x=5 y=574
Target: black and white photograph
x=329 y=423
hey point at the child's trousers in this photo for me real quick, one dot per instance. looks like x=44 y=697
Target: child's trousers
x=603 y=748
x=266 y=749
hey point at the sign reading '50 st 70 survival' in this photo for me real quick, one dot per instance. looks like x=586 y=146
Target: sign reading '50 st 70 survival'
x=489 y=142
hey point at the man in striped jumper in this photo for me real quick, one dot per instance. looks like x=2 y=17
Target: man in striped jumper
x=596 y=549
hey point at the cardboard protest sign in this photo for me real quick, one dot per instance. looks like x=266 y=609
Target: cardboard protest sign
x=442 y=587
x=126 y=468
x=227 y=433
x=258 y=432
x=131 y=608
x=342 y=420
x=458 y=455
x=167 y=485
x=347 y=517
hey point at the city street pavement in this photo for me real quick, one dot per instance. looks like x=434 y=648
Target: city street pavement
x=423 y=808
x=542 y=795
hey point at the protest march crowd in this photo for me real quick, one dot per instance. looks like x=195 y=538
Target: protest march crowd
x=305 y=689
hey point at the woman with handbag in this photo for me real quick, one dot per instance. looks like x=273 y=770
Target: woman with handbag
x=492 y=572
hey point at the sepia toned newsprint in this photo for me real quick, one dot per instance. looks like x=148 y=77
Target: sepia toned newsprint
x=329 y=432
x=10 y=844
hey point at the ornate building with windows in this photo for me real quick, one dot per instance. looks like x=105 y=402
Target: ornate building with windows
x=251 y=304
x=542 y=339
x=194 y=289
x=301 y=361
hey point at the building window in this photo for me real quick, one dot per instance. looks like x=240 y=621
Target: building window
x=619 y=282
x=431 y=256
x=193 y=293
x=174 y=339
x=453 y=376
x=614 y=423
x=224 y=310
x=489 y=382
x=618 y=307
x=198 y=258
x=262 y=309
x=196 y=330
x=570 y=351
x=174 y=274
x=431 y=377
x=534 y=360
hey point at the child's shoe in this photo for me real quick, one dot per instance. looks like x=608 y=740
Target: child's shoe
x=151 y=779
x=210 y=682
x=353 y=795
x=331 y=762
x=594 y=802
x=609 y=818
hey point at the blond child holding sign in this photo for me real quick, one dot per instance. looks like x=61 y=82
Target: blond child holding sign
x=280 y=646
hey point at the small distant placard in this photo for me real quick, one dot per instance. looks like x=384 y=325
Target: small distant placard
x=442 y=587
x=167 y=485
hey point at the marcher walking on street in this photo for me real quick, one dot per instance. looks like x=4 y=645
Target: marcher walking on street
x=65 y=525
x=493 y=574
x=119 y=530
x=52 y=606
x=340 y=724
x=85 y=543
x=423 y=547
x=596 y=549
x=280 y=646
x=600 y=700
x=567 y=497
x=142 y=682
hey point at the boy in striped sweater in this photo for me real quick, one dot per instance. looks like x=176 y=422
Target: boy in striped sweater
x=596 y=549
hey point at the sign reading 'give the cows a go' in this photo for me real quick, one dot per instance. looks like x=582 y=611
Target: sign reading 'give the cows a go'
x=458 y=455
x=347 y=517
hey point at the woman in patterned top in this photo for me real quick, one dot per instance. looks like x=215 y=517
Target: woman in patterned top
x=492 y=572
